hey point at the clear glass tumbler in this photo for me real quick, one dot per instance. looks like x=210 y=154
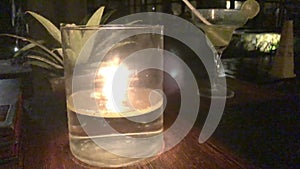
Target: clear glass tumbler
x=113 y=83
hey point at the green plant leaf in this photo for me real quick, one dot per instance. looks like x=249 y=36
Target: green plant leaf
x=50 y=27
x=45 y=61
x=52 y=54
x=43 y=54
x=106 y=16
x=75 y=41
x=71 y=56
x=24 y=49
x=40 y=64
x=96 y=17
x=59 y=51
x=86 y=36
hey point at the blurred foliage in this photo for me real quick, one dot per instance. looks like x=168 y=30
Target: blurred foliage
x=263 y=42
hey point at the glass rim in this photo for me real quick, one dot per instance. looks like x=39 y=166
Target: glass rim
x=67 y=26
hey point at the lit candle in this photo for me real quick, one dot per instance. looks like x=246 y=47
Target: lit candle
x=109 y=73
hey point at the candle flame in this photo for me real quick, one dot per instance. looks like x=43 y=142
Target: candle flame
x=112 y=83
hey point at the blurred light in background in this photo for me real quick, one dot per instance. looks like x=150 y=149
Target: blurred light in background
x=237 y=4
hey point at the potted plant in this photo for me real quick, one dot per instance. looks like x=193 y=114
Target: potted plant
x=37 y=53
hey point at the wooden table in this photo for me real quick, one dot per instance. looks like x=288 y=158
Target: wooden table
x=45 y=135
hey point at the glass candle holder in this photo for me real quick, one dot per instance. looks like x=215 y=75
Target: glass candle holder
x=113 y=81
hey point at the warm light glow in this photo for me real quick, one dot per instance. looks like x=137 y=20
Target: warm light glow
x=112 y=97
x=227 y=4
